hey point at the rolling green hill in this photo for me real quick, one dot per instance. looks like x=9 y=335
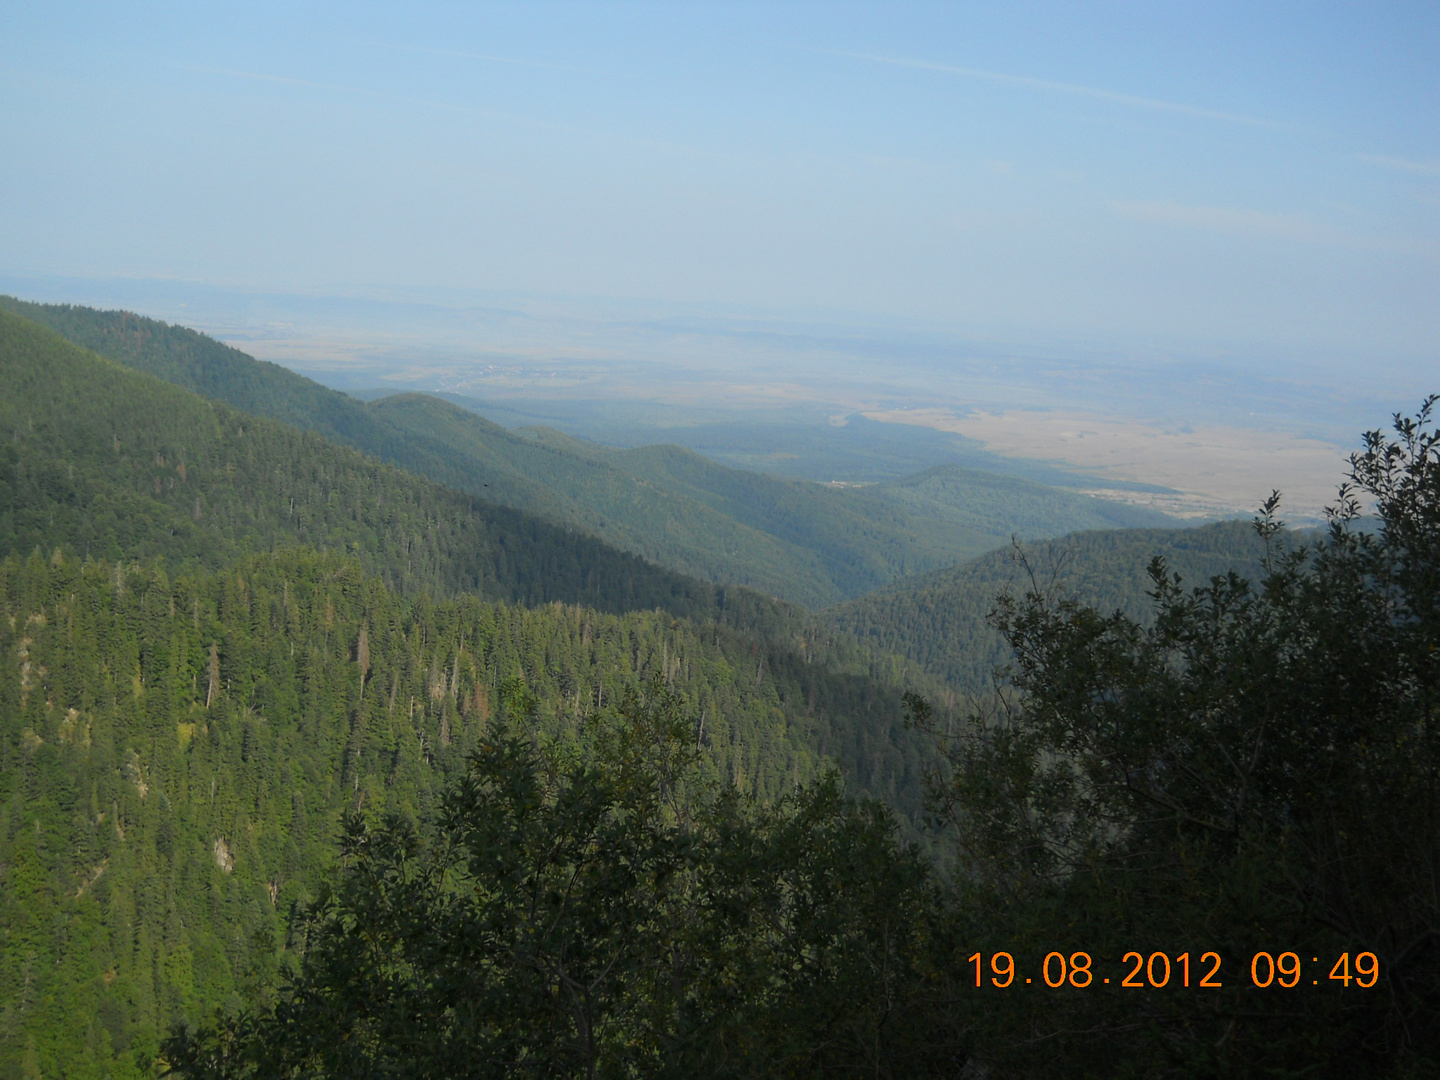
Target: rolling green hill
x=811 y=543
x=116 y=464
x=939 y=621
x=581 y=486
x=998 y=507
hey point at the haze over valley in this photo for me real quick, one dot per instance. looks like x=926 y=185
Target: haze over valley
x=753 y=390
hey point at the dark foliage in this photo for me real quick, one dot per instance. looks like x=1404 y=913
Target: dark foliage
x=176 y=754
x=942 y=623
x=1253 y=770
x=609 y=918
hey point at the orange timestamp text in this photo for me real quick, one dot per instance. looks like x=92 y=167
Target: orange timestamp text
x=1158 y=970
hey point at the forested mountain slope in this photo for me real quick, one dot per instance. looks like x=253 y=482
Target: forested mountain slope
x=807 y=542
x=999 y=507
x=810 y=542
x=188 y=701
x=175 y=754
x=587 y=488
x=940 y=620
x=114 y=464
x=110 y=463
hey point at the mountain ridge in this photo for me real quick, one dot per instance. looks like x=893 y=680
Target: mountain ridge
x=810 y=543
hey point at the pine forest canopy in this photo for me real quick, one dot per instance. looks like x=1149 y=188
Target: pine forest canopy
x=177 y=753
x=114 y=464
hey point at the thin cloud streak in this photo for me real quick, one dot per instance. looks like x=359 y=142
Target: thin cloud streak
x=1062 y=88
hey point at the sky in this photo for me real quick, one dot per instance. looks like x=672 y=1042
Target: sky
x=1250 y=179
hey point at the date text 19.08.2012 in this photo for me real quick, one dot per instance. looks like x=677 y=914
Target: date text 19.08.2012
x=1158 y=970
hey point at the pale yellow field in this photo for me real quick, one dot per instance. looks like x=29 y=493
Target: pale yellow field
x=1217 y=468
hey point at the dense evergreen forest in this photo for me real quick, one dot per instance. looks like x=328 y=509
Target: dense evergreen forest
x=131 y=514
x=177 y=752
x=803 y=541
x=1201 y=844
x=941 y=621
x=311 y=766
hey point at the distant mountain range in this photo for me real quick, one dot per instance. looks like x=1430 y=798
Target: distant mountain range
x=810 y=543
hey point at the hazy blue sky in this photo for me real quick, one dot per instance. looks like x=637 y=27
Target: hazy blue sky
x=1233 y=175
